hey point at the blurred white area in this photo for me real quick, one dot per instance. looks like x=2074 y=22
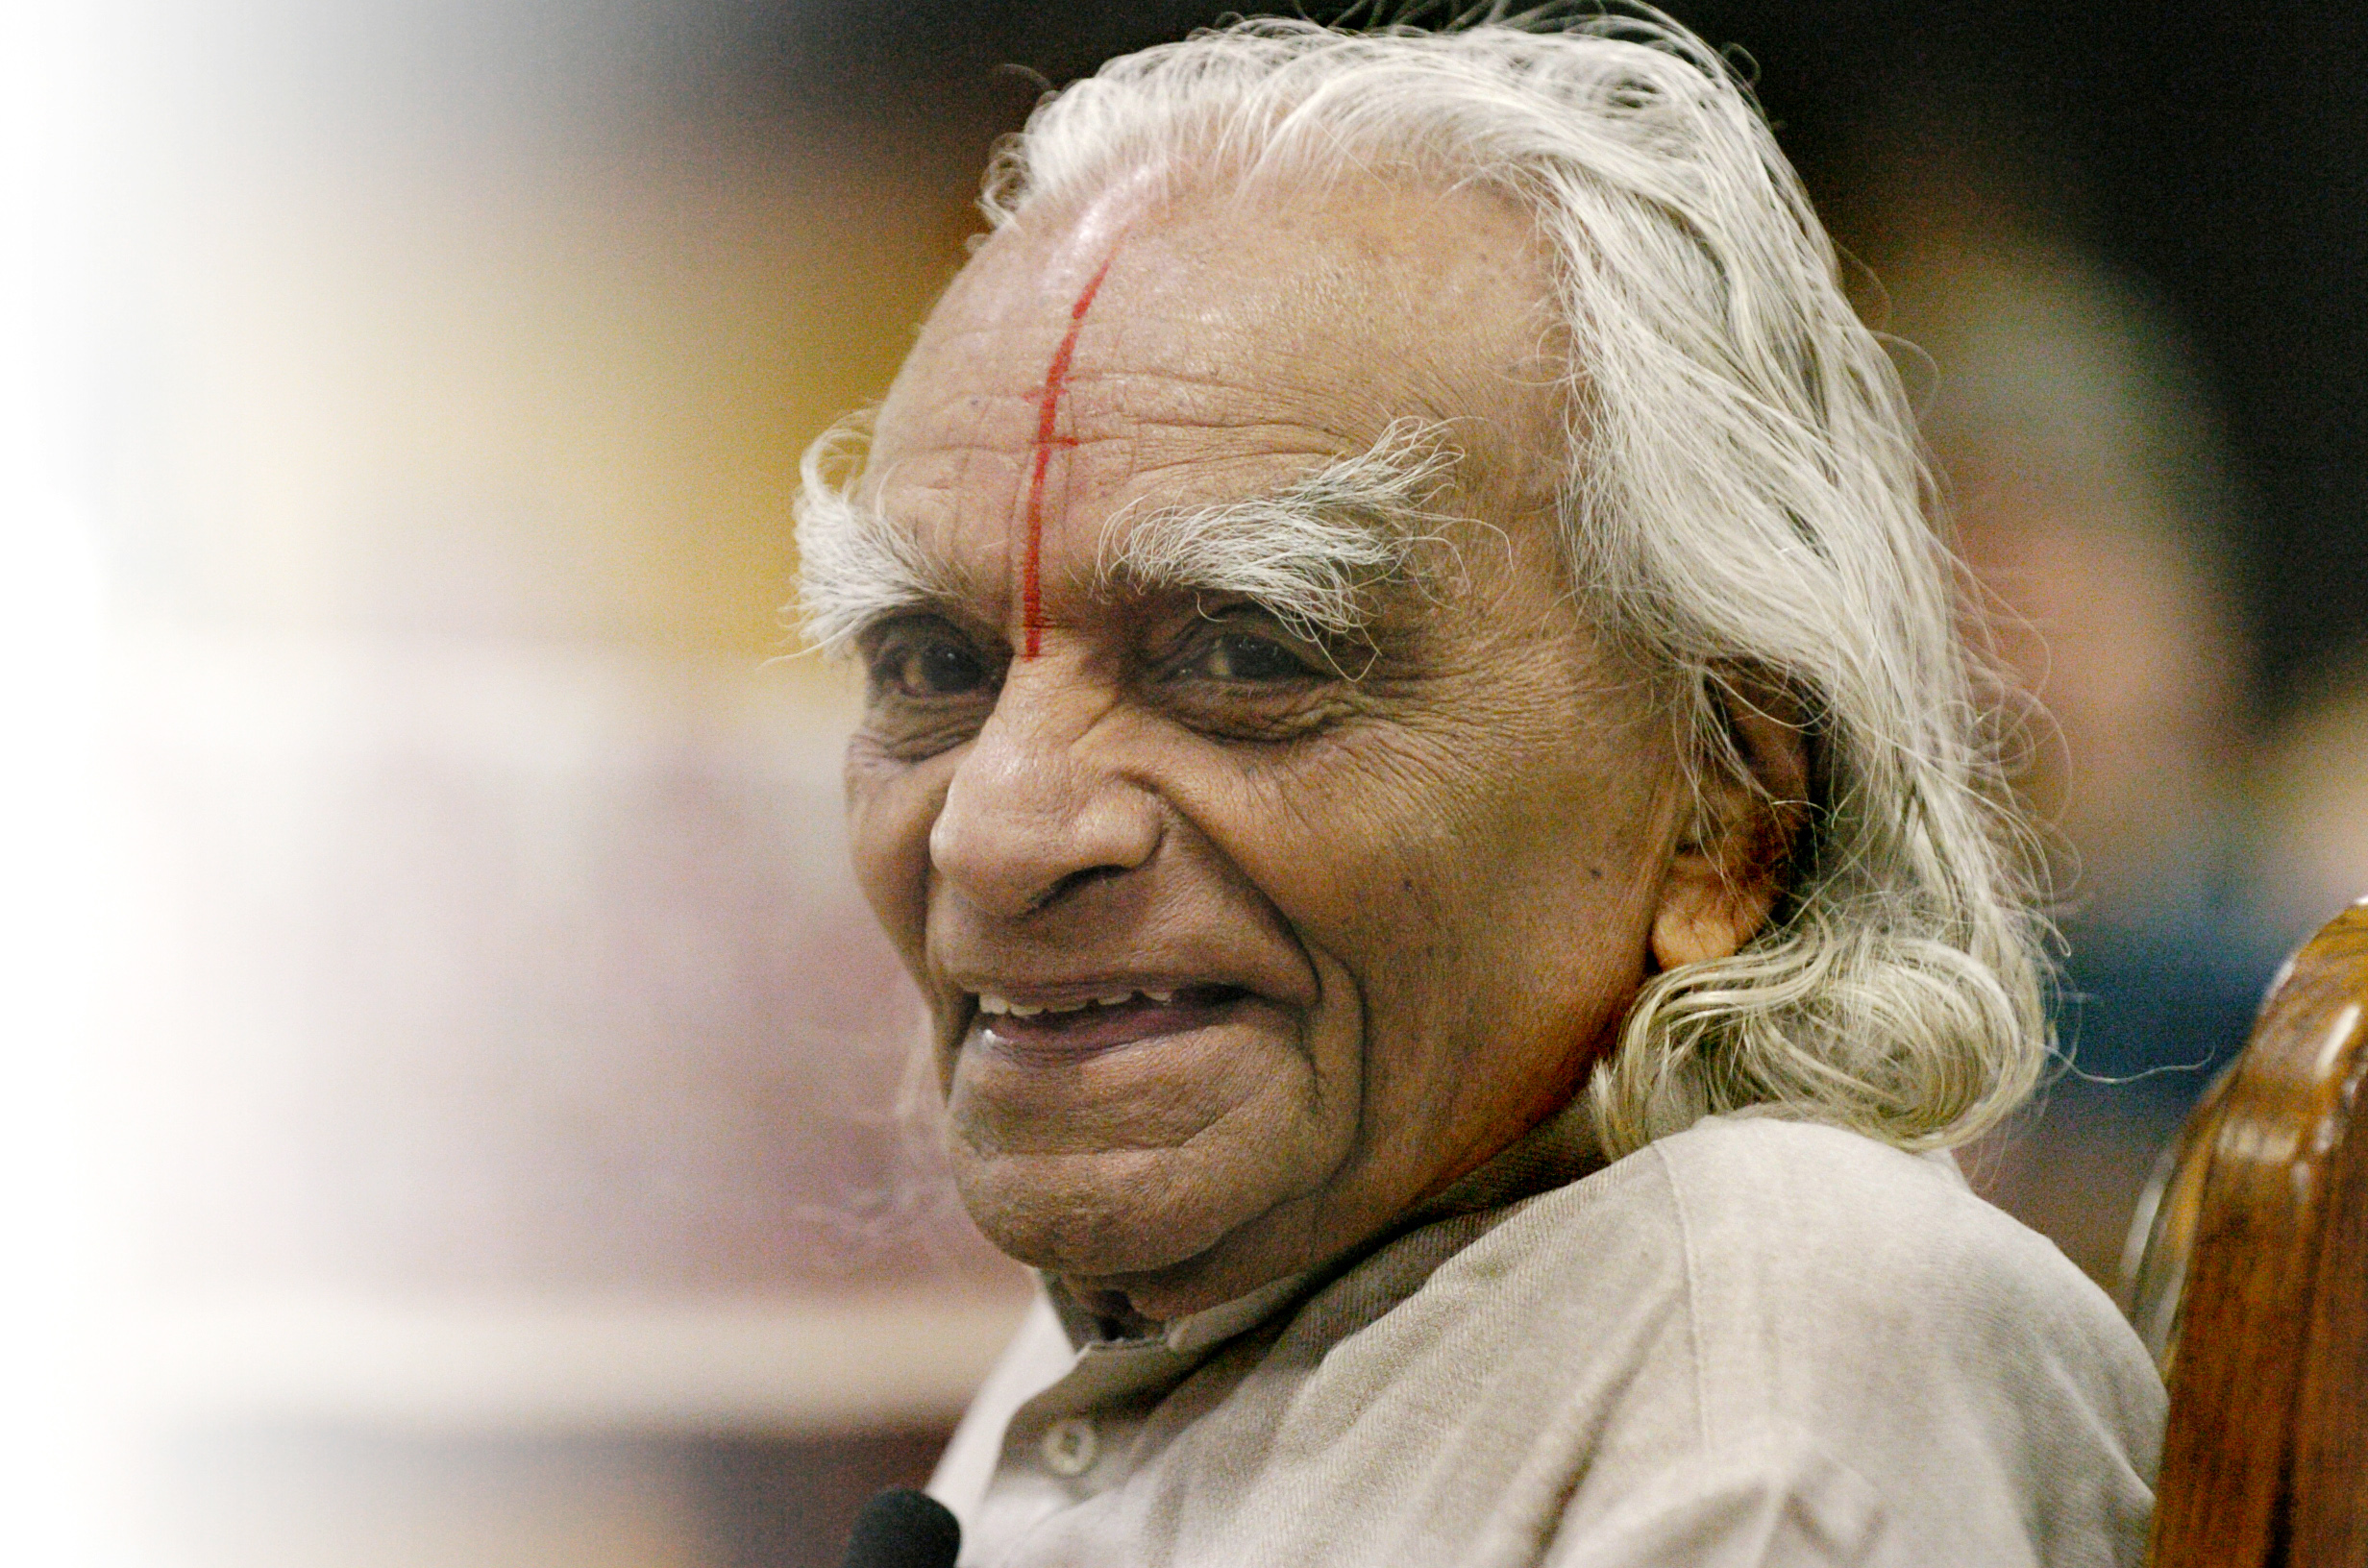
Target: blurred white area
x=52 y=603
x=817 y=1362
x=359 y=1499
x=422 y=866
x=470 y=966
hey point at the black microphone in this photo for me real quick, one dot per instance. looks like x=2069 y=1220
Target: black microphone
x=905 y=1529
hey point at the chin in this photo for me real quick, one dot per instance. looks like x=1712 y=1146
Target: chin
x=1107 y=1215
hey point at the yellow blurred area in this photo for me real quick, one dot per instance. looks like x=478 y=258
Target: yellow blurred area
x=557 y=396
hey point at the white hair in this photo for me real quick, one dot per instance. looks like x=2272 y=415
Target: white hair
x=1742 y=500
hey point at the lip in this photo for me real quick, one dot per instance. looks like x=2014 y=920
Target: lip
x=1049 y=1037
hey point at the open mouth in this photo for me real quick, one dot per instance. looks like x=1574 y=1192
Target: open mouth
x=1102 y=1023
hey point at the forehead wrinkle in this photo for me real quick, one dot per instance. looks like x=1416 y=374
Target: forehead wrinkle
x=968 y=420
x=1180 y=473
x=1144 y=402
x=1256 y=396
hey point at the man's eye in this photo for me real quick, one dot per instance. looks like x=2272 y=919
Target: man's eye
x=929 y=665
x=1246 y=656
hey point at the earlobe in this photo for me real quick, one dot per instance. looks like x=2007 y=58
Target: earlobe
x=1730 y=868
x=1708 y=913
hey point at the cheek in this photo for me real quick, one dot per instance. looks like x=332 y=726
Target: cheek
x=1321 y=838
x=1440 y=830
x=891 y=808
x=1478 y=883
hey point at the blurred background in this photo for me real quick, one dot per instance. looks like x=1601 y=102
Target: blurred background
x=456 y=1108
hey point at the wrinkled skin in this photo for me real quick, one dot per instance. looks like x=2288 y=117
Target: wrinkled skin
x=1403 y=890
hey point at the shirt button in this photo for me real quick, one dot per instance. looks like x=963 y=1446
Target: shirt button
x=1069 y=1445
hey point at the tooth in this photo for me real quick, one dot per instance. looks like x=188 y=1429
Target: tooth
x=1021 y=1009
x=1114 y=998
x=993 y=1004
x=1163 y=998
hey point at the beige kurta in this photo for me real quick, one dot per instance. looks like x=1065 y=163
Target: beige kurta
x=1755 y=1342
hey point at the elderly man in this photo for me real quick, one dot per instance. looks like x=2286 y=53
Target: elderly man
x=1416 y=750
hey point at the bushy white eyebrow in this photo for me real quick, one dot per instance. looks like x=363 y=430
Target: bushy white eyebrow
x=1311 y=552
x=855 y=566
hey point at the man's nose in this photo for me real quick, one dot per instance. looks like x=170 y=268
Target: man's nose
x=1034 y=809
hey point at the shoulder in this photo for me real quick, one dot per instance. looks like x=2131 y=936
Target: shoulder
x=1791 y=1212
x=1813 y=1252
x=1816 y=1228
x=1781 y=1201
x=1818 y=1286
x=1800 y=1255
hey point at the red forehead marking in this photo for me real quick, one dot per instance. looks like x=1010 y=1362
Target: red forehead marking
x=1048 y=419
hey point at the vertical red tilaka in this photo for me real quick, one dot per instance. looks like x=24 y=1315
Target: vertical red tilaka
x=1047 y=416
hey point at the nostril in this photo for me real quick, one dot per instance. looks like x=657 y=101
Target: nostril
x=1019 y=830
x=1074 y=883
x=1077 y=881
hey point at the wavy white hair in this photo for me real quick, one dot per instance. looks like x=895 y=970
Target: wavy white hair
x=1743 y=501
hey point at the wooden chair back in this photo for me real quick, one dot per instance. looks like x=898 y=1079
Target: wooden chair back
x=2249 y=1282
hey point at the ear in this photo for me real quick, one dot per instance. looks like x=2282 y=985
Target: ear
x=1730 y=862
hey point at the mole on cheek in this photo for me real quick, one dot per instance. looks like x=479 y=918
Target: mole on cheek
x=1047 y=420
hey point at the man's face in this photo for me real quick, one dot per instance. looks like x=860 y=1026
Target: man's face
x=1345 y=920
